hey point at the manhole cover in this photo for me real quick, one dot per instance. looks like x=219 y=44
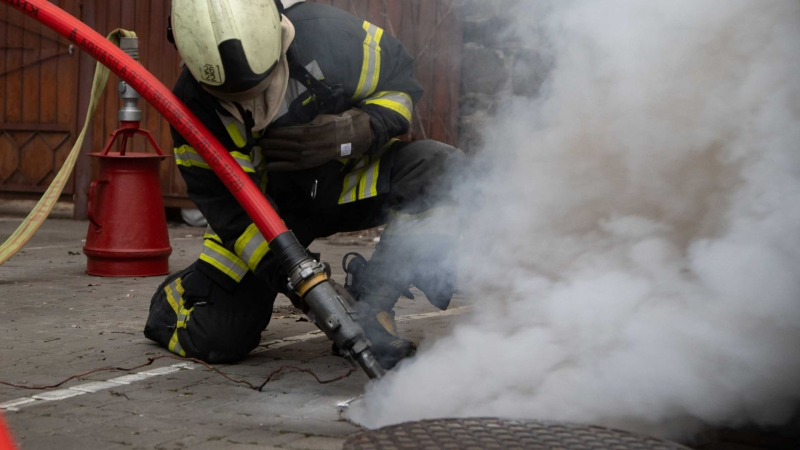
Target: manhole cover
x=480 y=434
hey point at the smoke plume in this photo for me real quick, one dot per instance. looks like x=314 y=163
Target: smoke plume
x=633 y=240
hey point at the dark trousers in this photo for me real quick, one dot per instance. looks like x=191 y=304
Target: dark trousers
x=201 y=313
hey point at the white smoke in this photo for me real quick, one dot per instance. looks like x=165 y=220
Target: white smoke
x=634 y=251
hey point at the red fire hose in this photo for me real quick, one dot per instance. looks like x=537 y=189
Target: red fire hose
x=223 y=164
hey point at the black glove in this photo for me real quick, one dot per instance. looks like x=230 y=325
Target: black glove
x=326 y=138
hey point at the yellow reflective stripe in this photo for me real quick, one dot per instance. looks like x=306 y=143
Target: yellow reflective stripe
x=179 y=286
x=183 y=314
x=223 y=260
x=361 y=183
x=399 y=102
x=175 y=346
x=171 y=298
x=245 y=161
x=371 y=65
x=245 y=238
x=211 y=234
x=236 y=135
x=350 y=191
x=365 y=64
x=188 y=157
x=369 y=181
x=377 y=75
x=252 y=247
x=394 y=106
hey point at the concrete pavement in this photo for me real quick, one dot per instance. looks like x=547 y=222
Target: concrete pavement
x=56 y=322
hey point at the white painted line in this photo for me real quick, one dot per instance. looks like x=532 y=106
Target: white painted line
x=93 y=387
x=14 y=404
x=449 y=312
x=133 y=378
x=162 y=371
x=53 y=396
x=97 y=386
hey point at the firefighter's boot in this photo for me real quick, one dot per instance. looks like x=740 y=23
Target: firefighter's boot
x=374 y=303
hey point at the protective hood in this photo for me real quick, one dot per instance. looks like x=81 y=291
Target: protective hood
x=265 y=106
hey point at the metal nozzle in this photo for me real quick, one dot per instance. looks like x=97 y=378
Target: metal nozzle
x=334 y=317
x=130 y=111
x=370 y=365
x=332 y=312
x=130 y=45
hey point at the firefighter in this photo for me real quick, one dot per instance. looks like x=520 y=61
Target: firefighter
x=310 y=101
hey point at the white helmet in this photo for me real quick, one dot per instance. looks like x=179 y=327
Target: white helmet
x=230 y=46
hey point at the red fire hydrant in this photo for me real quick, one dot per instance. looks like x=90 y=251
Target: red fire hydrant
x=128 y=234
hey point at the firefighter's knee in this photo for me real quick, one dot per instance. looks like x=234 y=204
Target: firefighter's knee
x=194 y=317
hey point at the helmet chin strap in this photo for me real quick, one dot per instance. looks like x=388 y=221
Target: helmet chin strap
x=243 y=96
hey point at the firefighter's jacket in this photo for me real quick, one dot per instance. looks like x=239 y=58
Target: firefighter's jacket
x=336 y=62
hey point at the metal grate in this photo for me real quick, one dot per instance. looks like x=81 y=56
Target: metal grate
x=479 y=434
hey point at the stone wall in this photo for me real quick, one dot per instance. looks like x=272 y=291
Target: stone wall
x=498 y=63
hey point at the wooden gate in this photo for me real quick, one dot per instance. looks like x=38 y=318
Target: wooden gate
x=430 y=30
x=38 y=102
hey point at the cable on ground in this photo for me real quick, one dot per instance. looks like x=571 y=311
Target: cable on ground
x=150 y=361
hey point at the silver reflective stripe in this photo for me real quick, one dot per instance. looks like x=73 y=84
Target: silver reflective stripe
x=315 y=71
x=184 y=156
x=235 y=128
x=295 y=89
x=175 y=298
x=372 y=62
x=183 y=314
x=210 y=234
x=244 y=161
x=398 y=102
x=223 y=262
x=369 y=188
x=350 y=191
x=175 y=345
x=252 y=249
x=397 y=97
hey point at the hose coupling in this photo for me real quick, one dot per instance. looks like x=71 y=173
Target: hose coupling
x=306 y=276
